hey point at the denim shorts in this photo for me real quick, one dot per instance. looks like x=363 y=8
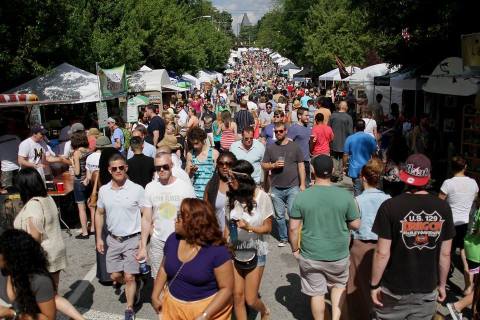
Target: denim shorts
x=261 y=260
x=79 y=191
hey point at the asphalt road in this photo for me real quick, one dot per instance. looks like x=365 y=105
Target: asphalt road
x=280 y=287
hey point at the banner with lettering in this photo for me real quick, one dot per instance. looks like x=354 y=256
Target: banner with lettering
x=113 y=82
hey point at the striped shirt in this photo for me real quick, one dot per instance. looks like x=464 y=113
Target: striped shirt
x=203 y=174
x=243 y=119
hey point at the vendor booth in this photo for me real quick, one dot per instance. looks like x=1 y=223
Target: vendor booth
x=362 y=82
x=452 y=99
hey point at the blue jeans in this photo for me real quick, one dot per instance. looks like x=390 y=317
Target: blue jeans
x=281 y=198
x=357 y=186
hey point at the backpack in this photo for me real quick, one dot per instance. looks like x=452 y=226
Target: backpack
x=126 y=138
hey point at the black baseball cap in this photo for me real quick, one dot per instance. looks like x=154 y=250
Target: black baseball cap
x=322 y=166
x=38 y=128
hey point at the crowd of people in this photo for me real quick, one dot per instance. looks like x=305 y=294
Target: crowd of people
x=189 y=194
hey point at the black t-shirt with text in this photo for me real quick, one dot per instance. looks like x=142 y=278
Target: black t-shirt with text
x=156 y=123
x=417 y=224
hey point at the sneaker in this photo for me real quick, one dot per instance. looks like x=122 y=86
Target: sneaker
x=453 y=312
x=129 y=314
x=282 y=243
x=138 y=292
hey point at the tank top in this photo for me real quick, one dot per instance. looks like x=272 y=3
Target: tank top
x=203 y=174
x=83 y=165
x=228 y=137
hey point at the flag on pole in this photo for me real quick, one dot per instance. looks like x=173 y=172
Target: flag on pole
x=113 y=82
x=341 y=67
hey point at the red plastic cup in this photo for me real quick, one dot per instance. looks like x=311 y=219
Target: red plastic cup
x=60 y=187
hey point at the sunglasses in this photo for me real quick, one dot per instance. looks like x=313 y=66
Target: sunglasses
x=279 y=131
x=164 y=167
x=225 y=163
x=277 y=116
x=119 y=168
x=247 y=139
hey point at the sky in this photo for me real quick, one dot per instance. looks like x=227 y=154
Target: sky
x=255 y=9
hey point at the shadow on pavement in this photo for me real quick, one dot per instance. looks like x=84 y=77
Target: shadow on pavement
x=293 y=299
x=86 y=299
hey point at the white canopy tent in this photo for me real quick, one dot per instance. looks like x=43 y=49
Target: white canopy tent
x=151 y=80
x=193 y=80
x=363 y=80
x=449 y=77
x=334 y=75
x=207 y=76
x=63 y=83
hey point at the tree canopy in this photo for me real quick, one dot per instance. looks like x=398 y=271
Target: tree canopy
x=364 y=32
x=171 y=34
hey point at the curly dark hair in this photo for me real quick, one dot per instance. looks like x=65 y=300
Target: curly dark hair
x=79 y=139
x=200 y=223
x=24 y=257
x=245 y=192
x=196 y=134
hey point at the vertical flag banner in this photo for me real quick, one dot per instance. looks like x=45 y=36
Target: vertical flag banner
x=113 y=82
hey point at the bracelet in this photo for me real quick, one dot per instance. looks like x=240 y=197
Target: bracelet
x=298 y=249
x=373 y=287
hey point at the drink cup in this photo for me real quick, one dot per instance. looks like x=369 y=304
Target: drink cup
x=60 y=187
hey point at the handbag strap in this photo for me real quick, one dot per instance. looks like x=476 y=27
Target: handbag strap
x=180 y=269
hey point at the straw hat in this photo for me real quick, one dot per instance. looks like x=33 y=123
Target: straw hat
x=93 y=132
x=170 y=141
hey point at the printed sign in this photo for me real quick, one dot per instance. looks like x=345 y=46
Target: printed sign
x=113 y=82
x=102 y=113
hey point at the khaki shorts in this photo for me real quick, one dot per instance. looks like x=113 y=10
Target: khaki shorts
x=121 y=255
x=316 y=276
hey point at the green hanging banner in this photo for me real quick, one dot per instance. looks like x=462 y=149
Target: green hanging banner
x=113 y=82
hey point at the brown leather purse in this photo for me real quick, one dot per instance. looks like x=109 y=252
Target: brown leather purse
x=92 y=200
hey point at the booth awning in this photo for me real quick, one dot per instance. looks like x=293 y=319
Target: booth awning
x=449 y=77
x=63 y=83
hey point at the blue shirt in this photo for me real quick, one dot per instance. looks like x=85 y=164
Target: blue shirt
x=368 y=203
x=268 y=133
x=360 y=148
x=254 y=155
x=304 y=100
x=301 y=135
x=118 y=134
x=148 y=150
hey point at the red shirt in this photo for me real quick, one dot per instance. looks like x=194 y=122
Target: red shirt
x=323 y=135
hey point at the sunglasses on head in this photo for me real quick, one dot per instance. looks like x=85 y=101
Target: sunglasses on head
x=164 y=167
x=279 y=131
x=119 y=168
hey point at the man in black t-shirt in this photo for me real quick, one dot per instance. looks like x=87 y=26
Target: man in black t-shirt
x=412 y=258
x=156 y=126
x=140 y=166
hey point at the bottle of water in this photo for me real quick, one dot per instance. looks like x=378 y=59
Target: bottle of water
x=144 y=268
x=233 y=231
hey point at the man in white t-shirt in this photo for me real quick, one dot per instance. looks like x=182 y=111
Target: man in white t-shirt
x=8 y=156
x=33 y=152
x=182 y=117
x=162 y=202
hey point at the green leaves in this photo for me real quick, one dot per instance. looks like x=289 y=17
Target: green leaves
x=159 y=33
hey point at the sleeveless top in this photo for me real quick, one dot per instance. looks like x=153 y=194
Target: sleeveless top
x=228 y=137
x=203 y=174
x=83 y=165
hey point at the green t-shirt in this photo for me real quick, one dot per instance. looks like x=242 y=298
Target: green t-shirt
x=325 y=211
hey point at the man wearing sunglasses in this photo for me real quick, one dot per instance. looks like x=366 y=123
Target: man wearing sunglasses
x=119 y=206
x=268 y=133
x=284 y=160
x=163 y=197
